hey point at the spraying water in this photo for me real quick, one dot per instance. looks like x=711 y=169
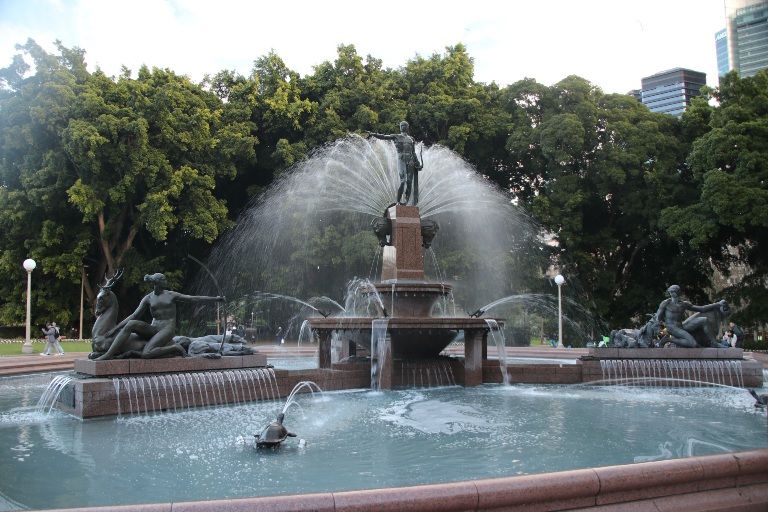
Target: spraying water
x=310 y=231
x=379 y=351
x=498 y=339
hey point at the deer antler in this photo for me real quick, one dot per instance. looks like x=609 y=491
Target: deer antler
x=111 y=281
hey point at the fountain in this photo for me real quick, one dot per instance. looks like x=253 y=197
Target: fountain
x=405 y=303
x=348 y=187
x=436 y=436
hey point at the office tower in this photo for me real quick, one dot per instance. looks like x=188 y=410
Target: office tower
x=721 y=46
x=746 y=37
x=670 y=92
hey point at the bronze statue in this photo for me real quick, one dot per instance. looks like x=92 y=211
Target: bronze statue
x=696 y=330
x=161 y=303
x=408 y=164
x=107 y=309
x=273 y=434
x=210 y=347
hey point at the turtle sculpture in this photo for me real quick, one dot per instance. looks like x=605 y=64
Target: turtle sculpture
x=760 y=400
x=273 y=434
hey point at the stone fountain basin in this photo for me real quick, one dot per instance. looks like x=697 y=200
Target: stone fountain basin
x=411 y=337
x=410 y=298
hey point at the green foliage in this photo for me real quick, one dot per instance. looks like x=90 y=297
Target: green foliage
x=94 y=169
x=724 y=216
x=139 y=171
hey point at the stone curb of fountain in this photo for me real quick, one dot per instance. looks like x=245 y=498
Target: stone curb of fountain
x=733 y=481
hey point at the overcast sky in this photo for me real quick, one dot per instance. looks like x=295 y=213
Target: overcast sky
x=612 y=43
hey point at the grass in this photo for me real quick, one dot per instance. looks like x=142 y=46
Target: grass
x=13 y=347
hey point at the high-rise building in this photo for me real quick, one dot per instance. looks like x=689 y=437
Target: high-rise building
x=746 y=38
x=670 y=92
x=721 y=45
x=751 y=41
x=637 y=94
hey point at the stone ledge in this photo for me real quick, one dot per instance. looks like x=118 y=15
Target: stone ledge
x=733 y=481
x=169 y=365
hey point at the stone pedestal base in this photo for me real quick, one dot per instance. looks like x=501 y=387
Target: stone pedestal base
x=115 y=367
x=405 y=258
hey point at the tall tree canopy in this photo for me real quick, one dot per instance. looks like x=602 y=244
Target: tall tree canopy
x=107 y=172
x=591 y=166
x=724 y=212
x=137 y=171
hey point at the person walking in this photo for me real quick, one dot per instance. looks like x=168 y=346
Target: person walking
x=57 y=341
x=50 y=339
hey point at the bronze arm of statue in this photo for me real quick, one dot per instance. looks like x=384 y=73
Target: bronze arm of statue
x=382 y=136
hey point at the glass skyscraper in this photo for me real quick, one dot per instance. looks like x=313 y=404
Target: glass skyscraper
x=670 y=92
x=751 y=24
x=743 y=45
x=721 y=45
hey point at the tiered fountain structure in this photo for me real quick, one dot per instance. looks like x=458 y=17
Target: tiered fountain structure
x=409 y=333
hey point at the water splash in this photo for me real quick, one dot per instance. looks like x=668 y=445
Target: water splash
x=380 y=348
x=52 y=393
x=291 y=399
x=578 y=318
x=185 y=391
x=498 y=338
x=362 y=299
x=310 y=231
x=671 y=372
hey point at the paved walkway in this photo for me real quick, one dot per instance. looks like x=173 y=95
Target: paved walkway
x=16 y=365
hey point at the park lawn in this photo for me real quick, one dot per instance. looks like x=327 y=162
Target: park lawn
x=14 y=349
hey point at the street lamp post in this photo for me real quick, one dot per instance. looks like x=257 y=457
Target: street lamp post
x=82 y=303
x=559 y=281
x=29 y=265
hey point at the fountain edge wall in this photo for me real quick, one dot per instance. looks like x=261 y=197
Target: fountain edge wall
x=733 y=482
x=95 y=397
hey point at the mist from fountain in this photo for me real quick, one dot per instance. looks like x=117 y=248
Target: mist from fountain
x=577 y=319
x=321 y=209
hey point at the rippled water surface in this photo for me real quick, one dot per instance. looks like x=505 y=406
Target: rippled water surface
x=355 y=440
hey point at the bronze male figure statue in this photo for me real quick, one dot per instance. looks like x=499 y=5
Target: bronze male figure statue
x=161 y=303
x=408 y=164
x=671 y=312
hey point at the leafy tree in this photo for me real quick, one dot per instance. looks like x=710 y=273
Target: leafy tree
x=110 y=170
x=353 y=94
x=724 y=214
x=590 y=165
